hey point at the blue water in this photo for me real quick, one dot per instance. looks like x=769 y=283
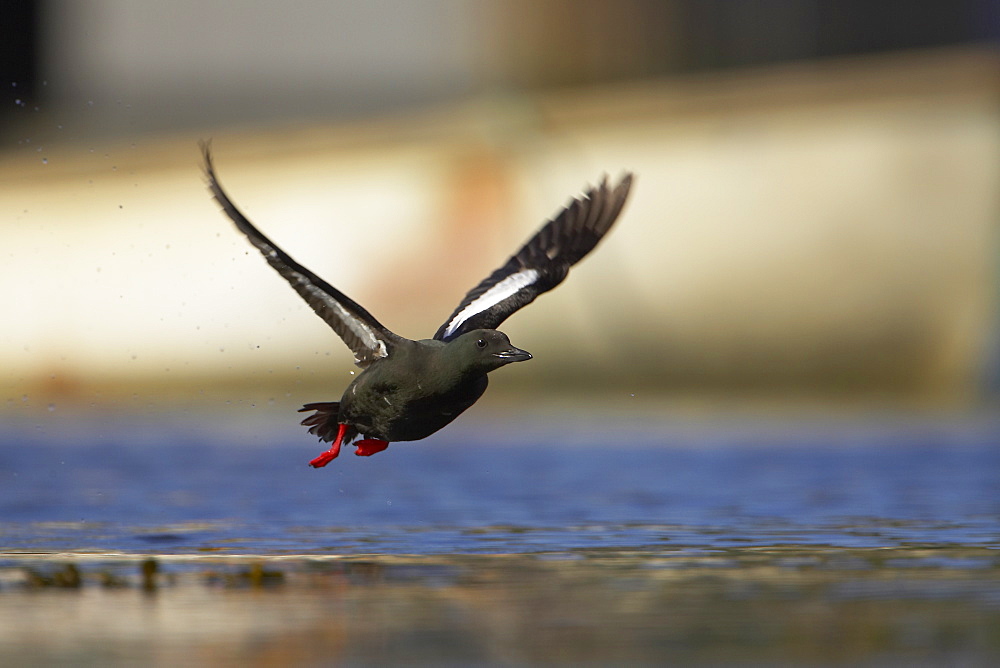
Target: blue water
x=177 y=486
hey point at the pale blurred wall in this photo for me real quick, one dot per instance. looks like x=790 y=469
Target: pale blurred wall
x=810 y=228
x=126 y=65
x=155 y=65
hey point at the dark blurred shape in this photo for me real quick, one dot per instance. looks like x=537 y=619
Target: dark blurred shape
x=19 y=57
x=727 y=34
x=258 y=576
x=67 y=577
x=568 y=42
x=149 y=570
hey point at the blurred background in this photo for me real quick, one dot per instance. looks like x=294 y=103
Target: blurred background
x=815 y=216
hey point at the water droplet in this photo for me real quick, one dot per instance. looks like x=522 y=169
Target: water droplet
x=45 y=161
x=52 y=407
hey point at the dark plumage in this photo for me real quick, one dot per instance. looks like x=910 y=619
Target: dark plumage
x=410 y=389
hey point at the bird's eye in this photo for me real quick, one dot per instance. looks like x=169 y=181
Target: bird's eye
x=481 y=343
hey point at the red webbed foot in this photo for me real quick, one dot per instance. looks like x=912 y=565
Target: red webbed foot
x=334 y=450
x=325 y=458
x=369 y=446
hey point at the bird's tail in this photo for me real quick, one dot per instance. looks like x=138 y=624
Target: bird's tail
x=323 y=422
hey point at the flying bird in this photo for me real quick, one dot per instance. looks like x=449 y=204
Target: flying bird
x=410 y=389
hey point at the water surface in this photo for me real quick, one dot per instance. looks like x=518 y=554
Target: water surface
x=715 y=542
x=175 y=487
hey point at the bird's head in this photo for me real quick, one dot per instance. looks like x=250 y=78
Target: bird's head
x=486 y=350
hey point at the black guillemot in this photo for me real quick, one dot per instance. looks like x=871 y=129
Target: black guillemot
x=410 y=389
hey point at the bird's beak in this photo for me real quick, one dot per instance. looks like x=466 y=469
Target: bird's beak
x=513 y=355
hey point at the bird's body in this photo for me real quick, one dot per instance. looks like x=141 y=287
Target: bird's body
x=410 y=389
x=409 y=397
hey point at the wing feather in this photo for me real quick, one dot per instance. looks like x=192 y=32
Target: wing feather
x=542 y=263
x=362 y=333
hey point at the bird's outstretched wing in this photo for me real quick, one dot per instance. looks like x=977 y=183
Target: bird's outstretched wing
x=542 y=263
x=362 y=333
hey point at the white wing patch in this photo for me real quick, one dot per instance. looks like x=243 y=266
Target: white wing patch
x=499 y=292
